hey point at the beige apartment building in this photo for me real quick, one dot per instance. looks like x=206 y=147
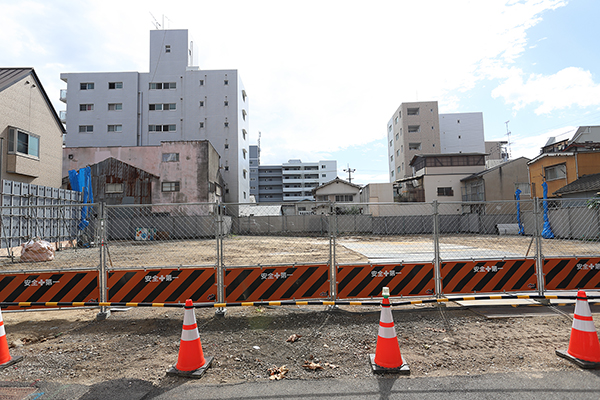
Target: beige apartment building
x=413 y=129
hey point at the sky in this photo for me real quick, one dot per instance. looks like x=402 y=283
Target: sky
x=325 y=77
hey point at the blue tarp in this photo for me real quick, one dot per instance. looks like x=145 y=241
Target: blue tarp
x=546 y=231
x=81 y=181
x=518 y=197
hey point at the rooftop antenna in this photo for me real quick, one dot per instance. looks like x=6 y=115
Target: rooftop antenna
x=349 y=171
x=508 y=139
x=155 y=23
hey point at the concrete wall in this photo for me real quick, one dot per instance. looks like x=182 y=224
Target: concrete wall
x=500 y=182
x=462 y=133
x=23 y=106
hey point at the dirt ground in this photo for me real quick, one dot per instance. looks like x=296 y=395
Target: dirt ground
x=70 y=346
x=273 y=250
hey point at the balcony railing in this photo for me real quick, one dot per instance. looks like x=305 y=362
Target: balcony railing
x=63 y=95
x=63 y=116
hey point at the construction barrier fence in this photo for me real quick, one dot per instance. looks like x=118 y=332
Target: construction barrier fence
x=228 y=253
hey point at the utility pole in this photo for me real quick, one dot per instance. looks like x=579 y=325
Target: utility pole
x=508 y=138
x=349 y=171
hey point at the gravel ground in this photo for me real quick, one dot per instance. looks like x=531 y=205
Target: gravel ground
x=70 y=346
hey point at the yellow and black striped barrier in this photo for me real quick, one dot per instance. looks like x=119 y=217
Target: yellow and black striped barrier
x=292 y=302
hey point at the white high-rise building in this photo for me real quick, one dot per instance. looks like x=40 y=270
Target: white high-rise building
x=174 y=101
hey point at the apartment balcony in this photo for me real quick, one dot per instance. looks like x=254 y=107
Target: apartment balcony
x=63 y=95
x=63 y=116
x=269 y=181
x=269 y=190
x=292 y=179
x=296 y=197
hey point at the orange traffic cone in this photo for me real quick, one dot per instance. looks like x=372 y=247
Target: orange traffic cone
x=584 y=346
x=5 y=358
x=387 y=357
x=190 y=361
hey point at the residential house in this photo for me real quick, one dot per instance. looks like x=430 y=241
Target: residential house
x=583 y=188
x=338 y=191
x=438 y=176
x=188 y=171
x=30 y=130
x=498 y=183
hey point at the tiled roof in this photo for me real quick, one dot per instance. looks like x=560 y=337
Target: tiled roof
x=586 y=183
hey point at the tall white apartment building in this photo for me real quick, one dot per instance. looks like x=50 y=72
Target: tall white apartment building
x=418 y=129
x=174 y=101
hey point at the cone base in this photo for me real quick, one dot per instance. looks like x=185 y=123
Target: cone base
x=579 y=362
x=12 y=361
x=402 y=370
x=196 y=374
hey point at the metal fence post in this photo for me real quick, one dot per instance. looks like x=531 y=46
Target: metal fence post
x=104 y=311
x=219 y=232
x=437 y=273
x=539 y=259
x=332 y=258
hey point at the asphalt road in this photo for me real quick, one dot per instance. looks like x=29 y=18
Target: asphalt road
x=583 y=384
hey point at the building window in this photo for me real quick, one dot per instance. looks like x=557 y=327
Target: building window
x=226 y=145
x=22 y=142
x=161 y=107
x=398 y=170
x=86 y=86
x=397 y=153
x=391 y=143
x=392 y=174
x=201 y=82
x=226 y=82
x=344 y=197
x=396 y=121
x=414 y=146
x=201 y=124
x=556 y=172
x=244 y=173
x=244 y=195
x=397 y=136
x=244 y=113
x=226 y=124
x=412 y=111
x=161 y=128
x=115 y=85
x=323 y=175
x=244 y=151
x=226 y=168
x=167 y=48
x=390 y=129
x=414 y=128
x=170 y=157
x=86 y=107
x=244 y=134
x=113 y=188
x=115 y=128
x=445 y=191
x=115 y=106
x=391 y=158
x=86 y=128
x=170 y=187
x=163 y=86
x=244 y=95
x=201 y=103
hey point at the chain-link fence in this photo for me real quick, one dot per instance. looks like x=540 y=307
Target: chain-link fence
x=237 y=236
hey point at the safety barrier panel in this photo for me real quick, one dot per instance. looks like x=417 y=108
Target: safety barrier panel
x=162 y=285
x=364 y=281
x=489 y=276
x=72 y=286
x=572 y=273
x=277 y=283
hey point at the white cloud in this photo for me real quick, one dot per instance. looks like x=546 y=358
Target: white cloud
x=569 y=87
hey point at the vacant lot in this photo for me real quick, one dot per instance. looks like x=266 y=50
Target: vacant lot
x=269 y=250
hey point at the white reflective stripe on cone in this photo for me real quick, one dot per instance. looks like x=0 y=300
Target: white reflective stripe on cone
x=189 y=318
x=583 y=308
x=2 y=331
x=387 y=333
x=386 y=315
x=1 y=316
x=190 y=334
x=584 y=326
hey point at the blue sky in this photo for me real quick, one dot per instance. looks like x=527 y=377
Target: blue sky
x=324 y=77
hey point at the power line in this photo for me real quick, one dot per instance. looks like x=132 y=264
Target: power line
x=349 y=171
